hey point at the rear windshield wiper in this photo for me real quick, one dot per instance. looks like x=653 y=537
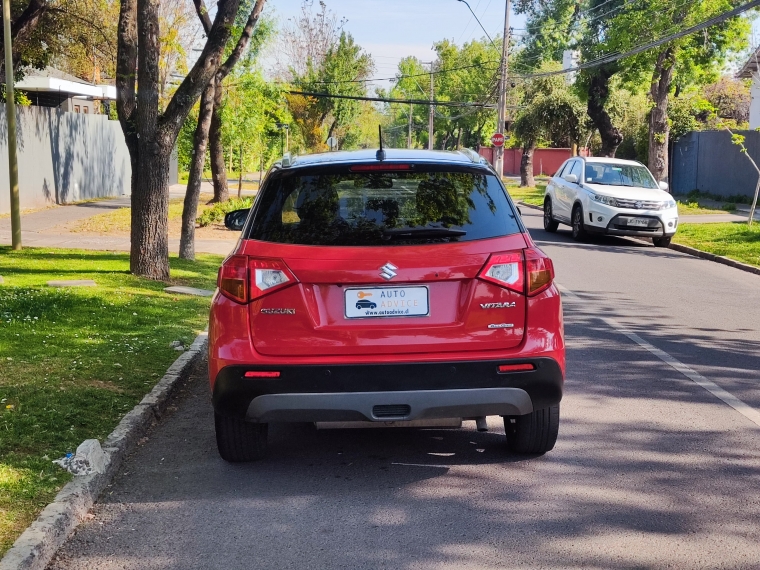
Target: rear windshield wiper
x=423 y=232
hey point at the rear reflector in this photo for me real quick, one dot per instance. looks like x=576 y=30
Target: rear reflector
x=384 y=167
x=516 y=367
x=262 y=374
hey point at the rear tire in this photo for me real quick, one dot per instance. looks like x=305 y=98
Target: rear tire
x=238 y=440
x=550 y=225
x=579 y=230
x=662 y=241
x=533 y=433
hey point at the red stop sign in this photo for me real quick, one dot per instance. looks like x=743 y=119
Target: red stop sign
x=497 y=139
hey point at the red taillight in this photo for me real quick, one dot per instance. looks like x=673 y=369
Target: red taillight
x=244 y=279
x=233 y=278
x=381 y=167
x=506 y=270
x=262 y=374
x=515 y=368
x=539 y=270
x=268 y=275
x=528 y=271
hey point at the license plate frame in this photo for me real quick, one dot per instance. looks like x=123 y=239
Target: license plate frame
x=398 y=303
x=638 y=222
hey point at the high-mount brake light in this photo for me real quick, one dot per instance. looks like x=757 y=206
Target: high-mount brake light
x=384 y=167
x=244 y=279
x=540 y=271
x=262 y=374
x=505 y=270
x=516 y=368
x=233 y=278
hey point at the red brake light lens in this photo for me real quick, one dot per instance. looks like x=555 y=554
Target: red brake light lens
x=540 y=271
x=505 y=270
x=244 y=279
x=382 y=167
x=233 y=278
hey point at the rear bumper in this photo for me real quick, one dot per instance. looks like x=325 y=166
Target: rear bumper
x=387 y=392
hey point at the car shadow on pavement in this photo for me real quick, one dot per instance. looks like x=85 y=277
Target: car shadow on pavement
x=649 y=470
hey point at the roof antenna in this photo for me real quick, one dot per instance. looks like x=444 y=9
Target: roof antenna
x=380 y=153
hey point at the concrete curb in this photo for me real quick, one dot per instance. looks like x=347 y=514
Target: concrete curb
x=692 y=251
x=716 y=258
x=520 y=203
x=34 y=549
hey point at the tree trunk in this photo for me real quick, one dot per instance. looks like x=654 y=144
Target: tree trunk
x=150 y=136
x=195 y=178
x=216 y=149
x=659 y=127
x=598 y=92
x=526 y=165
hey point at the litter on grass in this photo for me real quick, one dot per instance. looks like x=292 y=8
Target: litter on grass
x=88 y=459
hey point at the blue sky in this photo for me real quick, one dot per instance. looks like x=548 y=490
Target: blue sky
x=392 y=29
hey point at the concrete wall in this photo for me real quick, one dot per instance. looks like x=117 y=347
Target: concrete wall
x=545 y=160
x=64 y=157
x=709 y=162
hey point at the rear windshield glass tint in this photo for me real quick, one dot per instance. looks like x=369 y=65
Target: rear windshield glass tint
x=382 y=208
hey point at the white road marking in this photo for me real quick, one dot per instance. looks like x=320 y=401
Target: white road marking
x=743 y=408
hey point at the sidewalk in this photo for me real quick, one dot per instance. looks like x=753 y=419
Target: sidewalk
x=45 y=228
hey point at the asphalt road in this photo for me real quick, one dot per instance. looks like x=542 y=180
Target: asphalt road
x=652 y=468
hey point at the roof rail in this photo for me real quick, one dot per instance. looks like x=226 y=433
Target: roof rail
x=472 y=155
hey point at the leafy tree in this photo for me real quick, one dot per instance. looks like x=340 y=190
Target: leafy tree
x=208 y=128
x=150 y=135
x=730 y=98
x=466 y=74
x=341 y=72
x=552 y=113
x=691 y=60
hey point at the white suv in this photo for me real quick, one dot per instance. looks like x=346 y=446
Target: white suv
x=610 y=196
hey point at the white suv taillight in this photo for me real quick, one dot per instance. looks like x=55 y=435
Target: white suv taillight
x=528 y=272
x=245 y=279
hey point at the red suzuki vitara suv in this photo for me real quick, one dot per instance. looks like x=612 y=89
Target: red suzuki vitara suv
x=390 y=286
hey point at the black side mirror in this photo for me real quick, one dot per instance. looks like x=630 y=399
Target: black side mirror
x=235 y=220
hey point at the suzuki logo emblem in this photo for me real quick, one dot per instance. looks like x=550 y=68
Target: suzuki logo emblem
x=638 y=205
x=388 y=271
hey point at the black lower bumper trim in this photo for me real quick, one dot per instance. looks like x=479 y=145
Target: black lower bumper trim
x=233 y=392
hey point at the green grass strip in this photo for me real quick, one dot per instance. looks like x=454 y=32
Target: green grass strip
x=73 y=361
x=736 y=241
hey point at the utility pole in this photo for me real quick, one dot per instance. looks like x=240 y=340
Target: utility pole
x=431 y=115
x=499 y=162
x=10 y=112
x=409 y=135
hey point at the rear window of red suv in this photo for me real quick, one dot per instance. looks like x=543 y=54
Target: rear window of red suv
x=341 y=206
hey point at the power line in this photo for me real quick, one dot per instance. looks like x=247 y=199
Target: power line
x=391 y=100
x=397 y=77
x=609 y=58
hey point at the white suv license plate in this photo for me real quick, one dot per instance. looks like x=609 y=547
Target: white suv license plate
x=376 y=302
x=641 y=222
